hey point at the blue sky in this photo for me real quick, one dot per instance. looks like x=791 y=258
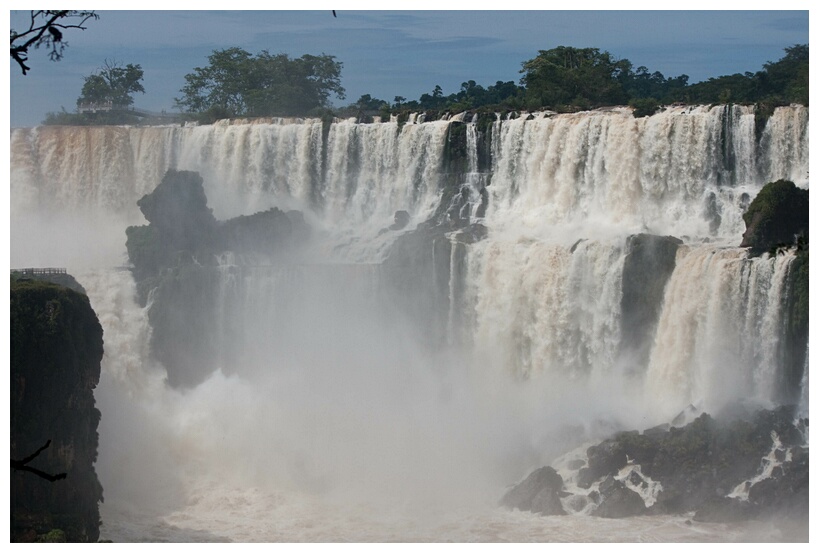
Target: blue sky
x=390 y=53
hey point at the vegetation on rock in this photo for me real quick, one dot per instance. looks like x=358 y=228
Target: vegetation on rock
x=63 y=279
x=568 y=79
x=777 y=216
x=56 y=348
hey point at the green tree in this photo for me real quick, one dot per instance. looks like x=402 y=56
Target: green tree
x=788 y=77
x=112 y=83
x=434 y=101
x=778 y=83
x=566 y=76
x=368 y=103
x=220 y=84
x=237 y=83
x=642 y=84
x=507 y=94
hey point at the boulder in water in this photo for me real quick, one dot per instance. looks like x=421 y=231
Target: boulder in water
x=618 y=501
x=609 y=456
x=539 y=493
x=696 y=467
x=786 y=491
x=401 y=218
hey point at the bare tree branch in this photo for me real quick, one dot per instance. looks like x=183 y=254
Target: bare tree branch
x=22 y=465
x=45 y=30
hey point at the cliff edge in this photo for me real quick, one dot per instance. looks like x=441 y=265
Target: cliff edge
x=56 y=349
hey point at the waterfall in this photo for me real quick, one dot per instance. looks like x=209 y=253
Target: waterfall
x=403 y=365
x=601 y=167
x=720 y=329
x=555 y=179
x=785 y=146
x=804 y=398
x=607 y=169
x=542 y=308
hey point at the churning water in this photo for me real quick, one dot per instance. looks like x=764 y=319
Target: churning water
x=345 y=421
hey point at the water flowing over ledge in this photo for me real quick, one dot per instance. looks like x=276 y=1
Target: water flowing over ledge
x=562 y=195
x=536 y=296
x=593 y=168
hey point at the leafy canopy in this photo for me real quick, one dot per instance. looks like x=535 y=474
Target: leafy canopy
x=574 y=76
x=112 y=83
x=570 y=79
x=237 y=83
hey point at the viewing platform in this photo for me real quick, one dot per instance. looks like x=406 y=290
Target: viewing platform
x=96 y=107
x=41 y=271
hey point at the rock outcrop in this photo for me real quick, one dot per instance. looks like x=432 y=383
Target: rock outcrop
x=735 y=469
x=795 y=343
x=539 y=493
x=618 y=501
x=777 y=216
x=176 y=258
x=648 y=265
x=60 y=278
x=56 y=349
x=182 y=227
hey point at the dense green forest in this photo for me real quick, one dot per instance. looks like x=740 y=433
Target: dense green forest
x=235 y=83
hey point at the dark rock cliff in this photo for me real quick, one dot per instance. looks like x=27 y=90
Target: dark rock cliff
x=776 y=221
x=175 y=258
x=736 y=468
x=795 y=344
x=56 y=348
x=648 y=265
x=777 y=216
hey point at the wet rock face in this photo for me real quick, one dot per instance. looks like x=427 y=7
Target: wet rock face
x=608 y=457
x=786 y=491
x=777 y=215
x=401 y=220
x=618 y=501
x=648 y=265
x=182 y=227
x=758 y=460
x=538 y=493
x=175 y=258
x=605 y=458
x=56 y=349
x=178 y=209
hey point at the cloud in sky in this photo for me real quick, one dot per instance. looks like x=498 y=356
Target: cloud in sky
x=405 y=53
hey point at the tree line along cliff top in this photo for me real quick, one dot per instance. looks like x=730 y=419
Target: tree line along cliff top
x=237 y=83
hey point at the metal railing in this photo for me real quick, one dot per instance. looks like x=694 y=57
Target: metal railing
x=94 y=107
x=110 y=106
x=41 y=271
